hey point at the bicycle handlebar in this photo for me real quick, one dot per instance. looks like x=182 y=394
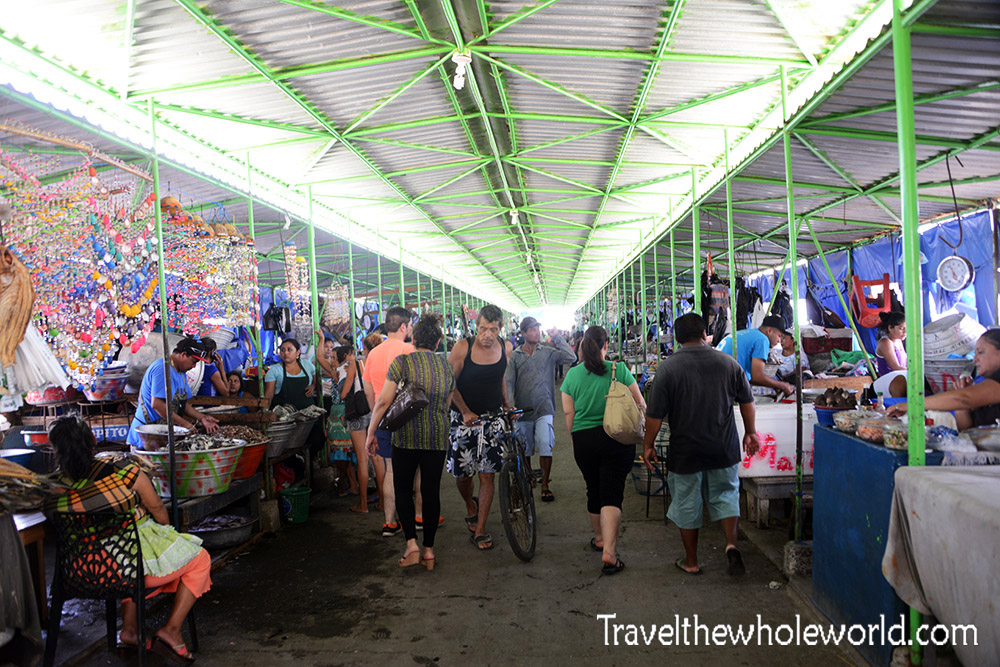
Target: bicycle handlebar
x=505 y=414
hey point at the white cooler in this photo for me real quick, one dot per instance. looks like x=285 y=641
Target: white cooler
x=776 y=429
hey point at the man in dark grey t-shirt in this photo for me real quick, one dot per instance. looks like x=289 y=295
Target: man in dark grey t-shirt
x=695 y=389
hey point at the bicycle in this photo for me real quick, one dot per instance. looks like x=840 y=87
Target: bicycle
x=514 y=485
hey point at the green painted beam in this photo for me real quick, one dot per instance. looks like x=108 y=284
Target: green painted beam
x=928 y=98
x=638 y=104
x=525 y=12
x=370 y=21
x=406 y=144
x=628 y=54
x=843 y=174
x=257 y=64
x=890 y=137
x=873 y=47
x=956 y=30
x=245 y=120
x=408 y=125
x=295 y=71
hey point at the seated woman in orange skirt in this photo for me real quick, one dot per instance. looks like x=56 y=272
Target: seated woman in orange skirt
x=173 y=562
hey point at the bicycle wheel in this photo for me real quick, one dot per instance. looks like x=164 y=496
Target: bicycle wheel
x=517 y=510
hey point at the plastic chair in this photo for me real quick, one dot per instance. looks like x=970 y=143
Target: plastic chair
x=98 y=558
x=867 y=308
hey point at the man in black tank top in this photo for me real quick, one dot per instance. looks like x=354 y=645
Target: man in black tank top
x=479 y=365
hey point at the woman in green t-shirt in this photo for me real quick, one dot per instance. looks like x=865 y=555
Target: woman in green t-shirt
x=604 y=462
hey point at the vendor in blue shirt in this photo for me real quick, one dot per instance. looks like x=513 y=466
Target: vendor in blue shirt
x=753 y=346
x=153 y=392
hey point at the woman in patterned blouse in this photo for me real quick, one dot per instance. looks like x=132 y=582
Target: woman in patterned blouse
x=423 y=441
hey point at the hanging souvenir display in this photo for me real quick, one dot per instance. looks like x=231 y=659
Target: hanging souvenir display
x=336 y=311
x=211 y=272
x=87 y=242
x=297 y=285
x=85 y=234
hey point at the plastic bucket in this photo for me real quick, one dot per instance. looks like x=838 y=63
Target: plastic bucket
x=250 y=460
x=952 y=334
x=197 y=474
x=824 y=416
x=943 y=373
x=295 y=503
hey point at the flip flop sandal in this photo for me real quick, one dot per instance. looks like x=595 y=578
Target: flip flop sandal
x=593 y=545
x=735 y=565
x=613 y=569
x=680 y=567
x=547 y=496
x=161 y=647
x=480 y=540
x=472 y=520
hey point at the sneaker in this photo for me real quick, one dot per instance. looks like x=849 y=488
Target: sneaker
x=420 y=522
x=390 y=529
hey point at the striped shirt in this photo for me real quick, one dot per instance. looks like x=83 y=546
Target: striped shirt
x=106 y=488
x=429 y=430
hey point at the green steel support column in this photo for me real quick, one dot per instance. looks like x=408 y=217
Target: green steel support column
x=350 y=284
x=843 y=302
x=402 y=292
x=622 y=309
x=631 y=297
x=420 y=308
x=673 y=285
x=642 y=299
x=906 y=134
x=164 y=317
x=378 y=268
x=444 y=302
x=259 y=324
x=729 y=244
x=314 y=291
x=793 y=261
x=656 y=299
x=696 y=242
x=911 y=239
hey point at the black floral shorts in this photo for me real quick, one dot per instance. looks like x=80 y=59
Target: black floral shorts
x=475 y=449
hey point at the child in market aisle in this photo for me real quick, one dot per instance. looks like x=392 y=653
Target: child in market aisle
x=338 y=437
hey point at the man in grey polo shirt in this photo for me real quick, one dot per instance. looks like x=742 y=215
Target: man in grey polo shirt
x=531 y=380
x=695 y=389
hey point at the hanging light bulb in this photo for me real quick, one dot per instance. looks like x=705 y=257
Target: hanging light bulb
x=461 y=60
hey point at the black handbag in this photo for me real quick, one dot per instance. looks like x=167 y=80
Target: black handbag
x=356 y=404
x=409 y=401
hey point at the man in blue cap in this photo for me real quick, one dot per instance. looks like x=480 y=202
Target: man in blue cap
x=753 y=347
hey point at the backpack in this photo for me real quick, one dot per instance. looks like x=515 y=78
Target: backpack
x=622 y=419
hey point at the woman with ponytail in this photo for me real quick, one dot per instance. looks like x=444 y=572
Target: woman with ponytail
x=890 y=355
x=173 y=562
x=604 y=462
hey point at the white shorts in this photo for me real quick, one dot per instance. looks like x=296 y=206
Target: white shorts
x=537 y=433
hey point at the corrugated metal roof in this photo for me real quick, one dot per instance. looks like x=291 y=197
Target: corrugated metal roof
x=565 y=81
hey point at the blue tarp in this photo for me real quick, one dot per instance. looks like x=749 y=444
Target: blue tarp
x=870 y=262
x=977 y=246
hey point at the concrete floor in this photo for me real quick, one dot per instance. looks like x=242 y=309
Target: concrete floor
x=329 y=592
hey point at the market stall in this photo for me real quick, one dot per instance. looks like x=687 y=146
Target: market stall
x=940 y=552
